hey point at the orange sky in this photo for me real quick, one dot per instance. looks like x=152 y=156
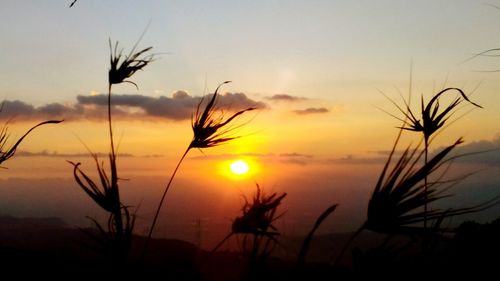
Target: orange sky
x=321 y=133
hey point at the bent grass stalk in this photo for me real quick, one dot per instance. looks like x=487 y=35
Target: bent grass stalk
x=304 y=249
x=209 y=130
x=157 y=213
x=4 y=137
x=107 y=196
x=399 y=195
x=257 y=220
x=432 y=121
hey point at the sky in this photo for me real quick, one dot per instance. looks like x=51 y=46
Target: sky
x=318 y=72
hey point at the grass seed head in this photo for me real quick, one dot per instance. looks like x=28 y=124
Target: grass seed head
x=210 y=128
x=432 y=119
x=258 y=215
x=123 y=67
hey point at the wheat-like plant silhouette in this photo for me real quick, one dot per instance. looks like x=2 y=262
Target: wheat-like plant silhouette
x=6 y=151
x=210 y=128
x=106 y=192
x=432 y=119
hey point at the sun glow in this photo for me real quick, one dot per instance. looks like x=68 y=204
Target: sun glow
x=239 y=167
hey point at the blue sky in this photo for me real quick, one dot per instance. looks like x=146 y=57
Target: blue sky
x=337 y=50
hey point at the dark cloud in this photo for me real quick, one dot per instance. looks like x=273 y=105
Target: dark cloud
x=288 y=158
x=295 y=155
x=386 y=153
x=18 y=111
x=178 y=107
x=485 y=152
x=284 y=97
x=45 y=153
x=311 y=110
x=480 y=152
x=355 y=160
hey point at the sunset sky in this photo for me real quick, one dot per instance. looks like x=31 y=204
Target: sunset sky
x=317 y=71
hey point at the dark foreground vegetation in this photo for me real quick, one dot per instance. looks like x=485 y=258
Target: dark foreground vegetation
x=48 y=248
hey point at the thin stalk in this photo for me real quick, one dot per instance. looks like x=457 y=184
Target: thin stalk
x=118 y=213
x=307 y=241
x=255 y=250
x=148 y=239
x=425 y=181
x=217 y=247
x=109 y=122
x=348 y=243
x=265 y=251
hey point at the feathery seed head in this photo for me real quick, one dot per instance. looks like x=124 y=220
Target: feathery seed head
x=432 y=119
x=123 y=67
x=258 y=215
x=209 y=127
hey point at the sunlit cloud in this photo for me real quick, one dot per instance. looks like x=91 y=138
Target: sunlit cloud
x=180 y=106
x=311 y=110
x=485 y=152
x=285 y=97
x=46 y=153
x=287 y=158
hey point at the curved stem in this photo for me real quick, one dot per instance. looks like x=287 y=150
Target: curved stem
x=348 y=243
x=255 y=249
x=117 y=214
x=217 y=247
x=155 y=219
x=425 y=183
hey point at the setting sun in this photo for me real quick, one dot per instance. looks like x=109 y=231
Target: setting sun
x=239 y=167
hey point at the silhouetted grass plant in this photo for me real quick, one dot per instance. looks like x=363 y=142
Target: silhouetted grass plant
x=7 y=151
x=210 y=128
x=256 y=221
x=304 y=249
x=492 y=53
x=255 y=225
x=396 y=204
x=105 y=192
x=432 y=119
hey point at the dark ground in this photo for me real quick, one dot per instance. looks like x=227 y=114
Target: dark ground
x=46 y=247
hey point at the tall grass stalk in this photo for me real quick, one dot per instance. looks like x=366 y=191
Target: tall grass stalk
x=397 y=199
x=8 y=152
x=157 y=213
x=304 y=249
x=256 y=223
x=432 y=121
x=119 y=232
x=210 y=128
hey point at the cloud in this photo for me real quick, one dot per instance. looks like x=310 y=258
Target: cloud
x=294 y=158
x=311 y=110
x=46 y=153
x=295 y=155
x=490 y=156
x=485 y=152
x=480 y=152
x=178 y=107
x=287 y=158
x=355 y=160
x=18 y=111
x=284 y=97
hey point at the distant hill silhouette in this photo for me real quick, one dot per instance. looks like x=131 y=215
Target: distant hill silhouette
x=48 y=247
